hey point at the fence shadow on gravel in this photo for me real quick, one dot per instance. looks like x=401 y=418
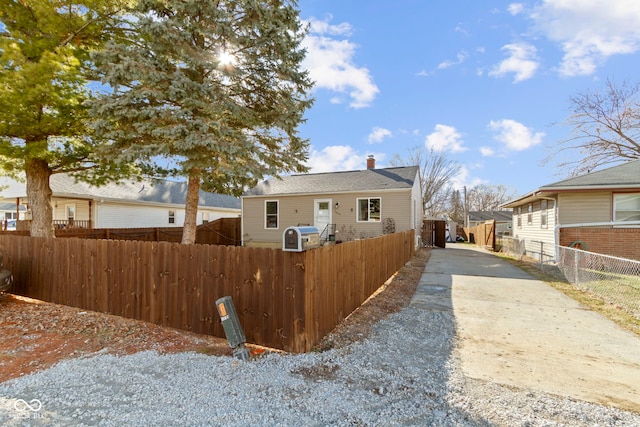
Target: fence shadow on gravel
x=285 y=300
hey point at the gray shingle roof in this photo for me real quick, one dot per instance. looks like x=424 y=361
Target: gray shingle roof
x=626 y=174
x=8 y=206
x=338 y=182
x=487 y=215
x=148 y=191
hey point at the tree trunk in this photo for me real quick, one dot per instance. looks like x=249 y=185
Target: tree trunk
x=191 y=207
x=39 y=196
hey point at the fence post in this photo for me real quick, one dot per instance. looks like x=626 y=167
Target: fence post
x=576 y=267
x=541 y=256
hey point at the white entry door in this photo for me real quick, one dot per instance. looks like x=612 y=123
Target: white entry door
x=322 y=216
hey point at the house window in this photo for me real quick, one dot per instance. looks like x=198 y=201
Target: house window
x=543 y=213
x=626 y=207
x=520 y=217
x=205 y=217
x=172 y=217
x=369 y=209
x=530 y=214
x=271 y=214
x=71 y=213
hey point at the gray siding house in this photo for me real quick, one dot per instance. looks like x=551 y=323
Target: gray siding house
x=343 y=206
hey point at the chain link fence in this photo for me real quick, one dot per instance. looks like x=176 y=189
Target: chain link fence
x=511 y=246
x=615 y=280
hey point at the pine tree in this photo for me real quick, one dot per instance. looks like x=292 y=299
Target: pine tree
x=211 y=91
x=44 y=52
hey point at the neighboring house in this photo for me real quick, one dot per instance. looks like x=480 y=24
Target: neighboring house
x=151 y=203
x=9 y=211
x=503 y=220
x=342 y=205
x=598 y=211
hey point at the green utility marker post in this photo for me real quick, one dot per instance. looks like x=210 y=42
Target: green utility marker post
x=232 y=328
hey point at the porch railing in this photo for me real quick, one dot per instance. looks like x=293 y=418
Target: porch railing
x=59 y=224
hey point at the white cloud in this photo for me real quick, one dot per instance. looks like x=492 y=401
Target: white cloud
x=445 y=138
x=487 y=151
x=514 y=135
x=460 y=58
x=339 y=158
x=522 y=62
x=324 y=27
x=378 y=134
x=515 y=8
x=589 y=31
x=330 y=63
x=464 y=178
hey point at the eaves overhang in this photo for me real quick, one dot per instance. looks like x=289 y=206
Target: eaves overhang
x=531 y=197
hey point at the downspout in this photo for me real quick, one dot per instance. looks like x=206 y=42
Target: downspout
x=556 y=229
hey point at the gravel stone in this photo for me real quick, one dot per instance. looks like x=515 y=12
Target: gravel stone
x=405 y=373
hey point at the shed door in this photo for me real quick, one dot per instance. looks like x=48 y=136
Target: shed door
x=322 y=217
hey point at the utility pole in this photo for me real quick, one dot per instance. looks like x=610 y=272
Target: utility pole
x=466 y=209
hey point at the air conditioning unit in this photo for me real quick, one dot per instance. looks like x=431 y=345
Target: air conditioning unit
x=299 y=239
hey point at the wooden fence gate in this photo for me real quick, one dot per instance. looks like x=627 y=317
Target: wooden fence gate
x=434 y=233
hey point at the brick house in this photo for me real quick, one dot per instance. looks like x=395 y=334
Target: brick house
x=598 y=212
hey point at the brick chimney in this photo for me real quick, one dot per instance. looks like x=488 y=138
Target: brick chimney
x=371 y=162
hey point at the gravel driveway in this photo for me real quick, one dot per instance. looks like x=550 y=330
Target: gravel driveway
x=406 y=373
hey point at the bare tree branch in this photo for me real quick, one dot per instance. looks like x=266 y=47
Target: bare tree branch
x=436 y=173
x=606 y=129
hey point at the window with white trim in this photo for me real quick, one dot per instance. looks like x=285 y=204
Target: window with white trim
x=172 y=217
x=626 y=207
x=530 y=214
x=271 y=214
x=369 y=209
x=519 y=216
x=544 y=205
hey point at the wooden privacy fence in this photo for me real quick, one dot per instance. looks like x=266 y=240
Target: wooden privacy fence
x=223 y=231
x=285 y=300
x=483 y=234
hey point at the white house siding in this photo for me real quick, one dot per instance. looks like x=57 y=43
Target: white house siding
x=115 y=215
x=294 y=210
x=576 y=208
x=533 y=234
x=60 y=209
x=418 y=209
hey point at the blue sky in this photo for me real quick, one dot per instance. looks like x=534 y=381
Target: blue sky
x=489 y=82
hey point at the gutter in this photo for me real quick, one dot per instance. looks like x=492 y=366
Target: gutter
x=556 y=229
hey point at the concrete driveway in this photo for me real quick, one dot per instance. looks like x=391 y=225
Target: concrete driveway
x=515 y=330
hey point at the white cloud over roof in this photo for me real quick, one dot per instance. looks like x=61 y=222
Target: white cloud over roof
x=514 y=135
x=338 y=158
x=589 y=31
x=330 y=63
x=378 y=134
x=445 y=138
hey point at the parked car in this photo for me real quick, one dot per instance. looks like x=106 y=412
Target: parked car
x=6 y=278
